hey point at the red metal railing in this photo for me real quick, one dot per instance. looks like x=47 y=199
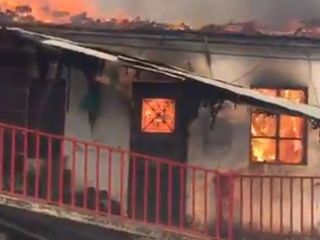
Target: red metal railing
x=88 y=176
x=93 y=177
x=286 y=205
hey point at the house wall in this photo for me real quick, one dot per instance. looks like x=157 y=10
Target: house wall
x=111 y=129
x=226 y=146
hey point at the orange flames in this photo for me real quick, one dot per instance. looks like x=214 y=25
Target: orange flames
x=158 y=115
x=278 y=138
x=71 y=12
x=83 y=13
x=50 y=10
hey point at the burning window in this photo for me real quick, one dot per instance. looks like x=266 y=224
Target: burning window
x=277 y=138
x=158 y=115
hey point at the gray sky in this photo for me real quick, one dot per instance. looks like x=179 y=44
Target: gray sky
x=199 y=12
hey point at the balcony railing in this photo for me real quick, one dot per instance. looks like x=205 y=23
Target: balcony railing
x=283 y=205
x=109 y=181
x=83 y=175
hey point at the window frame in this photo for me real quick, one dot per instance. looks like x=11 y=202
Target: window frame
x=277 y=138
x=174 y=124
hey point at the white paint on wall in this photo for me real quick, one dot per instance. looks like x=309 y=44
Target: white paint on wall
x=111 y=129
x=226 y=147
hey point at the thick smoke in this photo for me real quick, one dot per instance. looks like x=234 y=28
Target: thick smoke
x=196 y=13
x=202 y=12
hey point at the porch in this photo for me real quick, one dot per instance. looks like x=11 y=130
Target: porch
x=230 y=205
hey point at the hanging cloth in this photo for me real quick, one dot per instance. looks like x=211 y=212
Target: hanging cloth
x=92 y=104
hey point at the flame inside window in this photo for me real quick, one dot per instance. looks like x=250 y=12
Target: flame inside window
x=278 y=138
x=158 y=115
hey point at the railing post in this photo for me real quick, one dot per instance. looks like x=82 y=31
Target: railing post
x=37 y=166
x=291 y=204
x=49 y=181
x=193 y=189
x=97 y=203
x=251 y=201
x=158 y=194
x=25 y=164
x=61 y=172
x=110 y=165
x=73 y=174
x=182 y=197
x=13 y=159
x=271 y=203
x=205 y=215
x=281 y=205
x=231 y=206
x=85 y=185
x=133 y=190
x=1 y=158
x=145 y=191
x=122 y=156
x=170 y=194
x=302 y=204
x=218 y=204
x=241 y=202
x=261 y=203
x=312 y=205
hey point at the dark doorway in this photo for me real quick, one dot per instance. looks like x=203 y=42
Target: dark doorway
x=168 y=143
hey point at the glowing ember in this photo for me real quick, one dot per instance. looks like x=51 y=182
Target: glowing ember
x=278 y=138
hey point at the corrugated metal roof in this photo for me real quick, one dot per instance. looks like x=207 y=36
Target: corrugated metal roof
x=246 y=94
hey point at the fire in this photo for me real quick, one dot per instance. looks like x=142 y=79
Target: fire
x=278 y=138
x=158 y=115
x=48 y=10
x=83 y=13
x=87 y=13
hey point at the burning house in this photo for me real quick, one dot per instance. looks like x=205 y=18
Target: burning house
x=238 y=103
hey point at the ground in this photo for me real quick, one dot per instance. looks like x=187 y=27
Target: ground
x=56 y=223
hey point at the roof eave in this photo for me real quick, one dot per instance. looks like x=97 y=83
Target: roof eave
x=245 y=95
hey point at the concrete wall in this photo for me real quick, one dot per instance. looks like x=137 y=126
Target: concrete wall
x=226 y=146
x=111 y=129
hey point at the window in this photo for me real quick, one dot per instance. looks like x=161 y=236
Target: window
x=278 y=138
x=158 y=115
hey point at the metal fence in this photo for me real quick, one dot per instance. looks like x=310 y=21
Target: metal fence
x=71 y=173
x=284 y=205
x=109 y=181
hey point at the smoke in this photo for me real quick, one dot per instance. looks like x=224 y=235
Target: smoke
x=274 y=13
x=202 y=12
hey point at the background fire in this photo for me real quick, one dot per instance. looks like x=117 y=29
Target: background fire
x=105 y=14
x=47 y=10
x=83 y=13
